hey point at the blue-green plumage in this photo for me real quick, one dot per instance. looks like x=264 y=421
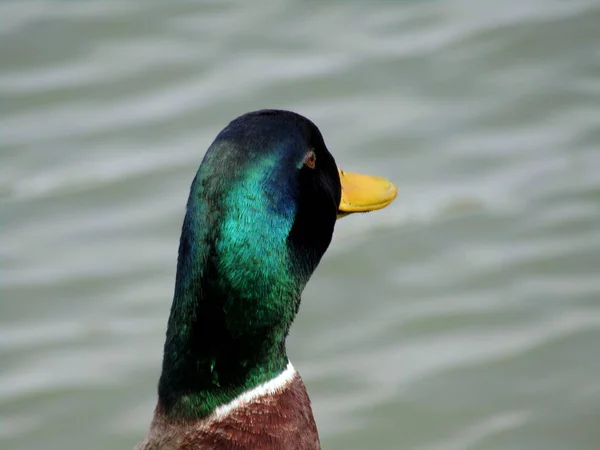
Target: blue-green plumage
x=257 y=224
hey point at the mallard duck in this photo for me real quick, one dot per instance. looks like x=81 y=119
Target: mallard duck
x=260 y=215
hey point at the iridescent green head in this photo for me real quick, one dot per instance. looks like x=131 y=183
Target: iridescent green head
x=260 y=215
x=264 y=202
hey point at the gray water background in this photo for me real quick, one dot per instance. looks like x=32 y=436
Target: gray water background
x=464 y=316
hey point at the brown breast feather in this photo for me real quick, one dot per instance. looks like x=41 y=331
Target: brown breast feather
x=279 y=421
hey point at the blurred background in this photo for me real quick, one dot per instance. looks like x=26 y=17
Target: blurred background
x=464 y=316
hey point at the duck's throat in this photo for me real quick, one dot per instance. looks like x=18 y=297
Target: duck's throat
x=206 y=365
x=231 y=312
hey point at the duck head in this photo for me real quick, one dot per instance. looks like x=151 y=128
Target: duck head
x=260 y=215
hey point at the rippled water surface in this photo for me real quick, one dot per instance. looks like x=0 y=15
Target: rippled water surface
x=465 y=316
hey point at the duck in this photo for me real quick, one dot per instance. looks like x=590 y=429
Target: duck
x=260 y=215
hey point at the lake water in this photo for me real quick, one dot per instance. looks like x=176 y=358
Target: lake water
x=464 y=316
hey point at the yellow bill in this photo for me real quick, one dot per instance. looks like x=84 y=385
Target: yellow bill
x=362 y=193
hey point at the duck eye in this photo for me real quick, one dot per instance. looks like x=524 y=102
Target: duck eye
x=310 y=160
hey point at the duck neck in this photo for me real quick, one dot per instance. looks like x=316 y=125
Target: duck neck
x=205 y=365
x=234 y=302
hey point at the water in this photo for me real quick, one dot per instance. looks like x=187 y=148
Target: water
x=465 y=316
